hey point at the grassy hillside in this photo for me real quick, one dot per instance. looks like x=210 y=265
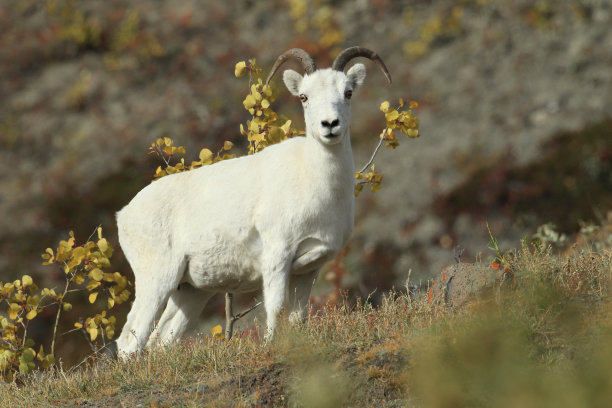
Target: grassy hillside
x=539 y=338
x=516 y=133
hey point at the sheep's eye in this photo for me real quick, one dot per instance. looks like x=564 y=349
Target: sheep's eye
x=303 y=98
x=348 y=94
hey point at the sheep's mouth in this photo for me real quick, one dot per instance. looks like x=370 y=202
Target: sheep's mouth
x=331 y=135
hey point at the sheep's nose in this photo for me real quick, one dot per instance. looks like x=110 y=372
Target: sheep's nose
x=334 y=123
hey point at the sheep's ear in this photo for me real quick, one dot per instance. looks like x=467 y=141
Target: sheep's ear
x=292 y=81
x=356 y=75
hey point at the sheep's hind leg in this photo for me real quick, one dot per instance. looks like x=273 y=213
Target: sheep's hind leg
x=299 y=295
x=184 y=306
x=153 y=287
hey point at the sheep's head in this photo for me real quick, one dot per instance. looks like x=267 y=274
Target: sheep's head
x=326 y=93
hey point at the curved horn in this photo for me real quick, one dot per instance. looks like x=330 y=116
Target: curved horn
x=297 y=54
x=353 y=52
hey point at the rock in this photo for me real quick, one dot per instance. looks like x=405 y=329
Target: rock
x=457 y=283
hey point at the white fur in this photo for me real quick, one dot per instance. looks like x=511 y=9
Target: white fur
x=268 y=220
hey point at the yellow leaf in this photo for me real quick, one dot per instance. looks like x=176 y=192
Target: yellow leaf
x=413 y=104
x=286 y=126
x=249 y=102
x=96 y=274
x=265 y=104
x=78 y=325
x=79 y=278
x=13 y=310
x=103 y=245
x=93 y=333
x=31 y=314
x=227 y=145
x=217 y=332
x=110 y=302
x=48 y=361
x=267 y=89
x=77 y=255
x=240 y=69
x=92 y=285
x=390 y=116
x=93 y=297
x=358 y=189
x=160 y=141
x=167 y=141
x=276 y=134
x=67 y=307
x=26 y=280
x=384 y=107
x=28 y=355
x=206 y=156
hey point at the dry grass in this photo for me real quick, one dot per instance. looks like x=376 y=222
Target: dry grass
x=540 y=339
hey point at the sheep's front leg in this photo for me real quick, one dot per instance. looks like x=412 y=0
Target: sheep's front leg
x=275 y=282
x=299 y=295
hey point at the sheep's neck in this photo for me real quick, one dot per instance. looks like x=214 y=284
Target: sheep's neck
x=333 y=163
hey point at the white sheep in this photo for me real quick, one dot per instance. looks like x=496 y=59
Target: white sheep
x=267 y=220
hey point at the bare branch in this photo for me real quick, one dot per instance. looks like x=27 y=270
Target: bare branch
x=375 y=151
x=230 y=319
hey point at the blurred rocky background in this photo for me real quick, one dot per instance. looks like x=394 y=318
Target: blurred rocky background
x=514 y=105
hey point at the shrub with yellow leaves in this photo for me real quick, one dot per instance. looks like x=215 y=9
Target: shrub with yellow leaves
x=85 y=268
x=166 y=150
x=266 y=128
x=402 y=119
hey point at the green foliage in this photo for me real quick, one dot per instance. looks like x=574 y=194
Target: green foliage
x=85 y=268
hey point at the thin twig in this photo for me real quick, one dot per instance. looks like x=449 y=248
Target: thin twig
x=229 y=319
x=95 y=353
x=57 y=316
x=70 y=331
x=375 y=151
x=244 y=313
x=94 y=232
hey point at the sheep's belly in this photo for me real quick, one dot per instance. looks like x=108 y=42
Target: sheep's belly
x=228 y=271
